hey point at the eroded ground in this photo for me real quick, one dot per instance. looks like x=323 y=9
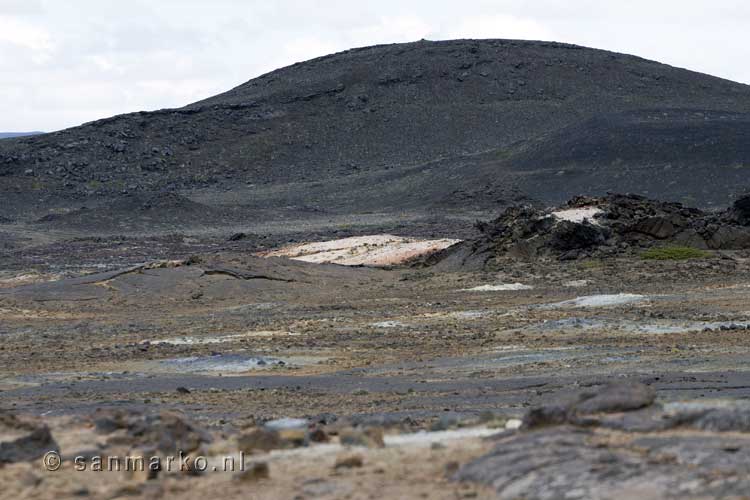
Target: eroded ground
x=230 y=341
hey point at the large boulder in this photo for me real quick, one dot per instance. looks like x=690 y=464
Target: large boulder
x=22 y=441
x=616 y=443
x=611 y=398
x=166 y=432
x=658 y=227
x=741 y=209
x=568 y=236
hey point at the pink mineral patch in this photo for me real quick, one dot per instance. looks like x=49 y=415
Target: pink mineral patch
x=375 y=250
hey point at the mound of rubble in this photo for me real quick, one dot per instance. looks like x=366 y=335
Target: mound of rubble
x=587 y=227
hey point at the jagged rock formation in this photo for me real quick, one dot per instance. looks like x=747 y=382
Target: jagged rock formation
x=599 y=227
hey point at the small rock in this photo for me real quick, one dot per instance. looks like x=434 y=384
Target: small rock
x=259 y=440
x=293 y=438
x=189 y=467
x=256 y=471
x=23 y=441
x=318 y=436
x=349 y=462
x=445 y=422
x=237 y=237
x=372 y=437
x=451 y=468
x=319 y=487
x=513 y=424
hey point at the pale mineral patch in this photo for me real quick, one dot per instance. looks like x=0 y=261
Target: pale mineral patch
x=503 y=287
x=600 y=300
x=389 y=324
x=191 y=340
x=576 y=283
x=426 y=438
x=578 y=215
x=375 y=250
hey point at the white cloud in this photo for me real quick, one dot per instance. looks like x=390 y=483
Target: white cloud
x=24 y=34
x=20 y=7
x=499 y=26
x=391 y=29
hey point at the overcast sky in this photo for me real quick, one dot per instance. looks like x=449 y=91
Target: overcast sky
x=63 y=63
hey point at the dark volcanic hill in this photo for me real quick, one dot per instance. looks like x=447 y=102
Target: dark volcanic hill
x=469 y=124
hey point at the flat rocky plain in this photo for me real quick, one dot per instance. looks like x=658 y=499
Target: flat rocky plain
x=541 y=358
x=411 y=381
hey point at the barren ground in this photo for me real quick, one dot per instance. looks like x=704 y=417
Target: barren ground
x=230 y=341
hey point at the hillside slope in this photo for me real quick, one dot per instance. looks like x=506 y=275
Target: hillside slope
x=464 y=124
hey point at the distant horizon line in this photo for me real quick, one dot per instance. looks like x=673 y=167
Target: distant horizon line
x=14 y=135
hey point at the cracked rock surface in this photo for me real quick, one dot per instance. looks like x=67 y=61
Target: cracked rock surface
x=616 y=443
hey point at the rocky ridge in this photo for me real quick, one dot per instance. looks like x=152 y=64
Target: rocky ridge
x=596 y=227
